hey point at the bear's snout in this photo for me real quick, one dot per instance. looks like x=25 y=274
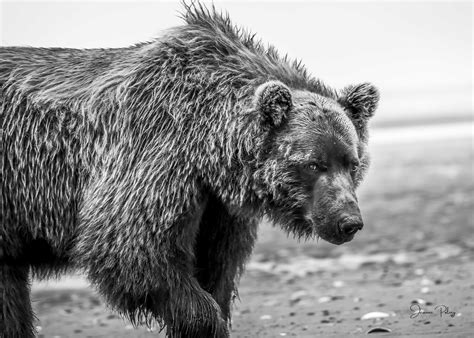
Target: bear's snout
x=349 y=226
x=351 y=220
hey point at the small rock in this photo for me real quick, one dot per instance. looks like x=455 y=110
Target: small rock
x=95 y=302
x=282 y=333
x=38 y=328
x=297 y=296
x=425 y=281
x=324 y=299
x=425 y=289
x=378 y=330
x=419 y=272
x=418 y=301
x=338 y=284
x=356 y=299
x=265 y=317
x=374 y=315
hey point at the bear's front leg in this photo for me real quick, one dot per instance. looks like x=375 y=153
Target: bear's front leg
x=223 y=245
x=192 y=312
x=147 y=279
x=143 y=266
x=16 y=316
x=188 y=309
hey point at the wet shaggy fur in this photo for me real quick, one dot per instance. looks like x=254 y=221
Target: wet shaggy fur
x=149 y=167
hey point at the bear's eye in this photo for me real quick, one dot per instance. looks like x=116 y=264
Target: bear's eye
x=314 y=166
x=354 y=166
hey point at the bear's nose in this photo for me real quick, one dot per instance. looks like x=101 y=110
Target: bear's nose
x=351 y=227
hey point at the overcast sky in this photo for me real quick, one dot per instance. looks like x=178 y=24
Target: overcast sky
x=419 y=54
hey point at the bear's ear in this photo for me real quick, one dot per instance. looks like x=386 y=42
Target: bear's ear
x=273 y=100
x=360 y=101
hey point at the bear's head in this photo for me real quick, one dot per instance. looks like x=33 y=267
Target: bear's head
x=314 y=157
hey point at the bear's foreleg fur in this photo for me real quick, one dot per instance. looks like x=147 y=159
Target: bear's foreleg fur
x=145 y=269
x=223 y=245
x=16 y=316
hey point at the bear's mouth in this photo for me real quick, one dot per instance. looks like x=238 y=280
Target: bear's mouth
x=332 y=233
x=306 y=227
x=336 y=239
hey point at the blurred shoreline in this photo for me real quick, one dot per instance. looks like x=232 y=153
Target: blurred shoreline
x=422 y=121
x=411 y=133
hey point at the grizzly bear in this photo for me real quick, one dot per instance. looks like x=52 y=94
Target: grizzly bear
x=149 y=168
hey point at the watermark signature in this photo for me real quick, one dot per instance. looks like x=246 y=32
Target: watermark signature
x=439 y=310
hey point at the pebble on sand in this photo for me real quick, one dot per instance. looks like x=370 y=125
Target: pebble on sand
x=378 y=330
x=324 y=299
x=418 y=301
x=374 y=315
x=297 y=296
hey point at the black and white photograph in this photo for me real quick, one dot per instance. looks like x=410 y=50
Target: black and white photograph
x=195 y=168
